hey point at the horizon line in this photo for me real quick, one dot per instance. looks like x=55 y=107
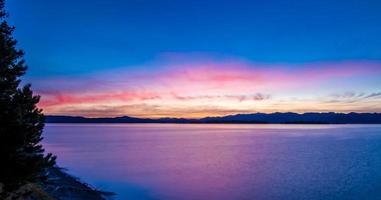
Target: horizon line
x=216 y=116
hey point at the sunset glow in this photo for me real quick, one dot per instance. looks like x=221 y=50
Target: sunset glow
x=212 y=88
x=200 y=58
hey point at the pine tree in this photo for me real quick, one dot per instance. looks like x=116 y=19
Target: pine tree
x=22 y=158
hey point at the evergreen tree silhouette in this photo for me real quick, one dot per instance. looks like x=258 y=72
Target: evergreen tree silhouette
x=22 y=158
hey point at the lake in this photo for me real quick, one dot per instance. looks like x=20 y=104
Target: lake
x=222 y=161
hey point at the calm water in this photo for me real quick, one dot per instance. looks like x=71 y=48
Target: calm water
x=167 y=161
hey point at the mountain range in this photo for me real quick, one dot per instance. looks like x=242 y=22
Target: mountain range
x=254 y=118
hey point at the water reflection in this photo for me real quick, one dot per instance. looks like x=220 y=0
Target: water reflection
x=169 y=161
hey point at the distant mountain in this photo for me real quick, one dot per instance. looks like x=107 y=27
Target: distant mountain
x=255 y=118
x=295 y=118
x=76 y=119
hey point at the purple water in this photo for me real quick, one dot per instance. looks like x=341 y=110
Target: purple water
x=196 y=161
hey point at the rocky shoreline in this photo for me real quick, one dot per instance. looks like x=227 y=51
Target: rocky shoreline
x=62 y=186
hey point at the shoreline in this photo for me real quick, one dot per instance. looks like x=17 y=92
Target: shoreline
x=62 y=186
x=253 y=118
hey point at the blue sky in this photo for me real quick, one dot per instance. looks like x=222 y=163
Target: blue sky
x=63 y=37
x=161 y=58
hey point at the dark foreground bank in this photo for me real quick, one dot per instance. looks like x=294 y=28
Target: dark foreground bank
x=62 y=186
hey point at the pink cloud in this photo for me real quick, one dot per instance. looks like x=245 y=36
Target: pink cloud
x=197 y=82
x=240 y=98
x=61 y=99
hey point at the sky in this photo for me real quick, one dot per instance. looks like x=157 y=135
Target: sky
x=162 y=58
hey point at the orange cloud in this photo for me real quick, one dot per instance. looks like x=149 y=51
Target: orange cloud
x=174 y=88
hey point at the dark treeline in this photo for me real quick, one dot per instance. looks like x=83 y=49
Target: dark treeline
x=255 y=118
